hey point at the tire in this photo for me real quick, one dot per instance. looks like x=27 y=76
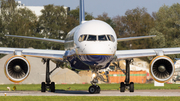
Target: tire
x=52 y=87
x=131 y=87
x=122 y=87
x=98 y=89
x=43 y=87
x=92 y=89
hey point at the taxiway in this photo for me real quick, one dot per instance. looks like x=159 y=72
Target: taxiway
x=86 y=93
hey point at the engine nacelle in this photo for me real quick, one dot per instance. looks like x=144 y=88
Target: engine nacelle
x=162 y=69
x=17 y=68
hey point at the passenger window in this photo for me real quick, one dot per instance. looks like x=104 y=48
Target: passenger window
x=91 y=38
x=102 y=38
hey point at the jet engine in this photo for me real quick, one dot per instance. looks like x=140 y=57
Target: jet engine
x=17 y=68
x=162 y=69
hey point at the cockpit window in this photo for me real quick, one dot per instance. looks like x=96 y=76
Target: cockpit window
x=102 y=38
x=86 y=37
x=82 y=38
x=111 y=38
x=91 y=38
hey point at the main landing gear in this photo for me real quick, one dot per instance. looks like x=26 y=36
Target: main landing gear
x=94 y=89
x=48 y=84
x=126 y=85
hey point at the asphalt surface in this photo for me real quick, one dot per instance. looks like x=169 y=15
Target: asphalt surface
x=86 y=93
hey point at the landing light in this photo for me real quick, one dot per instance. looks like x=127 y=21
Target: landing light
x=93 y=75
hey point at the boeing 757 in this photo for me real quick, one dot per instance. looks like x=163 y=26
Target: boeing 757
x=92 y=45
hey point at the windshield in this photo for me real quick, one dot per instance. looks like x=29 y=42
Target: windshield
x=92 y=38
x=111 y=38
x=82 y=38
x=102 y=38
x=96 y=38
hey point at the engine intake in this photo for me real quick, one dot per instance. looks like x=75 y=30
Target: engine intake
x=17 y=69
x=162 y=69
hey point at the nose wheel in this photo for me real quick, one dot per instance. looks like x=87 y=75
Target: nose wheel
x=94 y=89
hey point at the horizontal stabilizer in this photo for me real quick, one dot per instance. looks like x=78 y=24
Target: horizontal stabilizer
x=36 y=38
x=134 y=38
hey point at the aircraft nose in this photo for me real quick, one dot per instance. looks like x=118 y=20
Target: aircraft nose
x=101 y=48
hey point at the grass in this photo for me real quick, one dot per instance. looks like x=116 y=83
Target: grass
x=37 y=87
x=86 y=98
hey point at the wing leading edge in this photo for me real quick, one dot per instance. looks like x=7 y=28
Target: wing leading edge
x=125 y=54
x=135 y=38
x=36 y=38
x=52 y=54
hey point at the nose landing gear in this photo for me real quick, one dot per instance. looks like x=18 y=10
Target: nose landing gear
x=94 y=89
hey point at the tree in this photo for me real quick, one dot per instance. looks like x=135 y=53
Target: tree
x=136 y=22
x=23 y=23
x=7 y=13
x=159 y=40
x=167 y=23
x=52 y=24
x=104 y=17
x=17 y=21
x=75 y=14
x=73 y=19
x=1 y=29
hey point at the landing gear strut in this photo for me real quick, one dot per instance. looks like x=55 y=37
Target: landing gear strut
x=48 y=84
x=94 y=89
x=126 y=85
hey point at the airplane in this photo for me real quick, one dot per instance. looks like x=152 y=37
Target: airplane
x=92 y=45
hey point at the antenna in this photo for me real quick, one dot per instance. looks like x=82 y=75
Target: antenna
x=81 y=12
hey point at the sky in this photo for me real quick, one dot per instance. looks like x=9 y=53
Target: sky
x=112 y=7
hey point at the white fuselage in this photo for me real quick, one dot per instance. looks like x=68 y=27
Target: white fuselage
x=93 y=42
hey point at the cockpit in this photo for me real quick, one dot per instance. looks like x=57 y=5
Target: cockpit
x=87 y=37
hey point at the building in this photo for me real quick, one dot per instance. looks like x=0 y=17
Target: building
x=36 y=9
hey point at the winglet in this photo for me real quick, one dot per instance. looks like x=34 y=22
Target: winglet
x=81 y=12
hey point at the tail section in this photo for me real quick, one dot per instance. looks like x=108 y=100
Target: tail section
x=81 y=12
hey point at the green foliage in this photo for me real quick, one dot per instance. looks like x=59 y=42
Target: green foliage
x=22 y=24
x=167 y=25
x=104 y=17
x=159 y=40
x=17 y=21
x=167 y=22
x=52 y=24
x=75 y=14
x=136 y=22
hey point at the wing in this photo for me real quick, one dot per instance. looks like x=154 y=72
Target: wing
x=36 y=38
x=42 y=53
x=125 y=54
x=134 y=38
